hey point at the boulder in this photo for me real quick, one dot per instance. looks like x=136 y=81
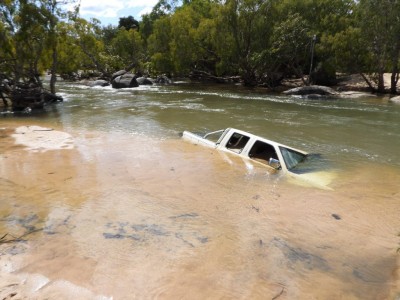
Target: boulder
x=163 y=79
x=124 y=81
x=99 y=82
x=119 y=73
x=355 y=95
x=312 y=90
x=314 y=96
x=395 y=100
x=144 y=81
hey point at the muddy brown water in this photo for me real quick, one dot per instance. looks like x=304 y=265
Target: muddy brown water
x=135 y=212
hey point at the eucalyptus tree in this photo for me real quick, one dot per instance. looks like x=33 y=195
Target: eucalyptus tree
x=394 y=51
x=161 y=9
x=179 y=38
x=290 y=44
x=190 y=46
x=29 y=28
x=245 y=28
x=25 y=36
x=158 y=45
x=70 y=56
x=126 y=49
x=379 y=22
x=123 y=45
x=155 y=38
x=128 y=23
x=52 y=12
x=330 y=21
x=7 y=29
x=88 y=36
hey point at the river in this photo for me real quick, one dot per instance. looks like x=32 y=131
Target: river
x=133 y=211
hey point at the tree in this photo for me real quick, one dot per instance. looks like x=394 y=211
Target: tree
x=246 y=30
x=290 y=45
x=380 y=28
x=190 y=45
x=7 y=49
x=88 y=37
x=394 y=51
x=330 y=21
x=51 y=13
x=32 y=35
x=159 y=45
x=127 y=48
x=25 y=38
x=70 y=55
x=128 y=23
x=161 y=9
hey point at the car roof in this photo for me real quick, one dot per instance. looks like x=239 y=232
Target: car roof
x=273 y=143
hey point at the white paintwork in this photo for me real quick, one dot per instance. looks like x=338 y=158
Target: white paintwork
x=319 y=179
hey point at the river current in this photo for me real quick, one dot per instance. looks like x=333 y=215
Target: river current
x=133 y=211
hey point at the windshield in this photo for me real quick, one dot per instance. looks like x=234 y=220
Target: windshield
x=292 y=158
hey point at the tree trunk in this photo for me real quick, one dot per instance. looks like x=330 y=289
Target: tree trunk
x=53 y=77
x=368 y=82
x=381 y=83
x=4 y=99
x=93 y=59
x=394 y=79
x=395 y=69
x=249 y=77
x=299 y=73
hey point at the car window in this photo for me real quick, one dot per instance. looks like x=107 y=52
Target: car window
x=237 y=142
x=262 y=152
x=292 y=158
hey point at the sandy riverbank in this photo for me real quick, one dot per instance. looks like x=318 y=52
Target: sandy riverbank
x=127 y=217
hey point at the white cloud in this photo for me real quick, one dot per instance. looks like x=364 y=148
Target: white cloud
x=145 y=10
x=115 y=8
x=100 y=8
x=141 y=3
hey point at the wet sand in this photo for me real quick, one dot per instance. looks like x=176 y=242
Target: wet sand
x=113 y=216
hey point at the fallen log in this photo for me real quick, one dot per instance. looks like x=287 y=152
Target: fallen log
x=23 y=96
x=204 y=76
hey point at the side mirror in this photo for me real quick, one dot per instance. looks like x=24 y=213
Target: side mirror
x=274 y=163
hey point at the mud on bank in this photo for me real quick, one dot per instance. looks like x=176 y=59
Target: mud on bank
x=121 y=216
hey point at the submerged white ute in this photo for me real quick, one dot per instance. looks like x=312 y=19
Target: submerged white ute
x=273 y=155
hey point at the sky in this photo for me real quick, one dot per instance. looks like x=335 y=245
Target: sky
x=109 y=11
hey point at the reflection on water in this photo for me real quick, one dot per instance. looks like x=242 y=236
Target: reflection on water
x=134 y=212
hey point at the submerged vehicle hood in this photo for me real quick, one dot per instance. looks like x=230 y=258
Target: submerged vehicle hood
x=319 y=179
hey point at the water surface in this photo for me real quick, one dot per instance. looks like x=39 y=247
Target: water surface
x=135 y=212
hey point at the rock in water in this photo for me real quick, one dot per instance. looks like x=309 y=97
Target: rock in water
x=312 y=90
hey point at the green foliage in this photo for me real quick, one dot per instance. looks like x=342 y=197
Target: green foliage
x=108 y=33
x=379 y=24
x=347 y=51
x=181 y=41
x=246 y=32
x=261 y=40
x=69 y=54
x=184 y=45
x=127 y=45
x=29 y=31
x=128 y=23
x=159 y=45
x=88 y=36
x=290 y=45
